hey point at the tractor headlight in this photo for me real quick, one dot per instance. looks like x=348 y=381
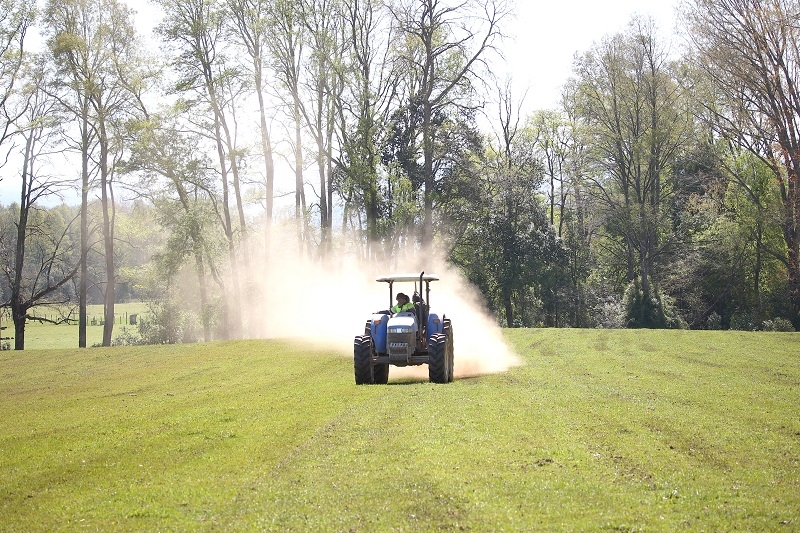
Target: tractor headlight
x=401 y=330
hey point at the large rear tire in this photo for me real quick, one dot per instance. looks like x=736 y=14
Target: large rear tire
x=448 y=333
x=362 y=360
x=437 y=360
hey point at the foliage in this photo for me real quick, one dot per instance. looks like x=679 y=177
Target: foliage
x=502 y=239
x=744 y=65
x=649 y=309
x=126 y=337
x=778 y=324
x=625 y=89
x=742 y=321
x=735 y=264
x=168 y=323
x=714 y=321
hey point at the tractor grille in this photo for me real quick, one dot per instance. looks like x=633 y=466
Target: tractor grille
x=400 y=344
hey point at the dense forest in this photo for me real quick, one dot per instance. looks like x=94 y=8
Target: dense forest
x=661 y=193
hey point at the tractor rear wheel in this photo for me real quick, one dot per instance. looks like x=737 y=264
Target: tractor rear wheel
x=448 y=333
x=362 y=360
x=437 y=359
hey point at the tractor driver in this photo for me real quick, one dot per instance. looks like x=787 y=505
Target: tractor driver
x=403 y=304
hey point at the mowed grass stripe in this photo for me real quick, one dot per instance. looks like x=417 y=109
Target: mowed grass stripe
x=599 y=430
x=153 y=433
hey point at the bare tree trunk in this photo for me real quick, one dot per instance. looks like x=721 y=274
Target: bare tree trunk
x=106 y=200
x=757 y=269
x=269 y=165
x=84 y=276
x=427 y=154
x=299 y=190
x=18 y=310
x=244 y=248
x=19 y=316
x=321 y=157
x=234 y=315
x=509 y=309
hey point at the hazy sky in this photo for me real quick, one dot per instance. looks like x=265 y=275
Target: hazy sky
x=548 y=34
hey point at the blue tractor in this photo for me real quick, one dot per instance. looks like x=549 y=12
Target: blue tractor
x=412 y=337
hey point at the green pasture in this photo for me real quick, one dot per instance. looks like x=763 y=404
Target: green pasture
x=45 y=335
x=599 y=430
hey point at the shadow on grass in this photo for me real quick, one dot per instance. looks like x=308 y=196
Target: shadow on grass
x=406 y=381
x=417 y=381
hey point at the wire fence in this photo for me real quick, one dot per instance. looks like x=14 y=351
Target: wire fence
x=125 y=318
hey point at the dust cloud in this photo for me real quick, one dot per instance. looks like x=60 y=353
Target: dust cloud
x=327 y=304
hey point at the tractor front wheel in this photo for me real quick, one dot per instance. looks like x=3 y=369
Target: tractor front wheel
x=362 y=360
x=381 y=373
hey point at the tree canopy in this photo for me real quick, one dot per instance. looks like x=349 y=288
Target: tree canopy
x=662 y=192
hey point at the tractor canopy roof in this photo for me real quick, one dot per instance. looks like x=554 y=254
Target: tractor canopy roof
x=407 y=277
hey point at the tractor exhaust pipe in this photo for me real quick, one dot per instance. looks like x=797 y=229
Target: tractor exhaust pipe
x=418 y=304
x=423 y=320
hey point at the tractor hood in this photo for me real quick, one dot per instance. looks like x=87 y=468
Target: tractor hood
x=402 y=322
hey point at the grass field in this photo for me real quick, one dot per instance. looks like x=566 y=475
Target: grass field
x=598 y=431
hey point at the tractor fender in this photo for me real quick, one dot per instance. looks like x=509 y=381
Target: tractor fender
x=435 y=325
x=378 y=331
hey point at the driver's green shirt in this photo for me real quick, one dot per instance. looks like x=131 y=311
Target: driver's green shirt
x=401 y=308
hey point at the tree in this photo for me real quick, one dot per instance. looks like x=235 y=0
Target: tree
x=95 y=45
x=442 y=55
x=637 y=124
x=74 y=97
x=507 y=246
x=251 y=24
x=553 y=144
x=363 y=112
x=565 y=154
x=43 y=259
x=748 y=54
x=15 y=18
x=175 y=179
x=734 y=274
x=324 y=29
x=209 y=83
x=286 y=43
x=752 y=203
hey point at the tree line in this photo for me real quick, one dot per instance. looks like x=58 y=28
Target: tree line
x=661 y=192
